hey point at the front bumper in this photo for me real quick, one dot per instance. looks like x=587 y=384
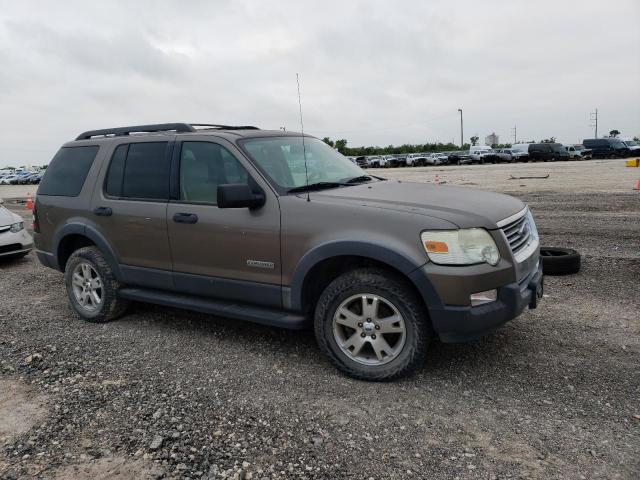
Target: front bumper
x=15 y=243
x=459 y=324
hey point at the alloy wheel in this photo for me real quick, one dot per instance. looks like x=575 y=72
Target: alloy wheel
x=87 y=287
x=369 y=329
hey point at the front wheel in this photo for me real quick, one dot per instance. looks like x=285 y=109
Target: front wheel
x=372 y=325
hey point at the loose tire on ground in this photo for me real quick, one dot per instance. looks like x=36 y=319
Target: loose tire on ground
x=110 y=306
x=365 y=284
x=559 y=261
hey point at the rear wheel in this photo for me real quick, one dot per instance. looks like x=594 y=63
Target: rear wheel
x=92 y=287
x=371 y=325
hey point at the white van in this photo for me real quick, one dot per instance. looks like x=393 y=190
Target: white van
x=479 y=149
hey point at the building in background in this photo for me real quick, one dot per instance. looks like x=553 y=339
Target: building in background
x=491 y=139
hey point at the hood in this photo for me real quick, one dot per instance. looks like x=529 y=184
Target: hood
x=464 y=207
x=7 y=217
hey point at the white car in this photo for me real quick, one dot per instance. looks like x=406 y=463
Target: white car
x=437 y=159
x=632 y=145
x=416 y=159
x=7 y=180
x=15 y=241
x=574 y=153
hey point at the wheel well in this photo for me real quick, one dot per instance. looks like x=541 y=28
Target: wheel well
x=323 y=273
x=70 y=244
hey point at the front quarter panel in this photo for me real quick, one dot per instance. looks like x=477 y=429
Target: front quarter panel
x=315 y=230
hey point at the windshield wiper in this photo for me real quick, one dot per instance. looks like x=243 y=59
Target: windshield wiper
x=360 y=179
x=317 y=186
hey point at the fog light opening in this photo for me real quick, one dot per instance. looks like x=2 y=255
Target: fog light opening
x=481 y=298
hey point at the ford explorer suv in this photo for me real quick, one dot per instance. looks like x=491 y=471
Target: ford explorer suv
x=280 y=229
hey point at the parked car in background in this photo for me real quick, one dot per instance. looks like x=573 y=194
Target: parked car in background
x=437 y=159
x=574 y=153
x=584 y=152
x=15 y=241
x=547 y=152
x=606 y=147
x=479 y=149
x=460 y=157
x=388 y=161
x=8 y=179
x=361 y=161
x=416 y=159
x=373 y=161
x=478 y=156
x=632 y=145
x=513 y=155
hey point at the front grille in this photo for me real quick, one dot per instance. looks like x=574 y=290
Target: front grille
x=5 y=229
x=518 y=233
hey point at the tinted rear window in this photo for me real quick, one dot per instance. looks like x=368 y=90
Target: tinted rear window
x=68 y=170
x=139 y=170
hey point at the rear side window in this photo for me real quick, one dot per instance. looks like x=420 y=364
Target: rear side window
x=139 y=170
x=67 y=171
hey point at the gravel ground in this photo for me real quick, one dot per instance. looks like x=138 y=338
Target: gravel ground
x=164 y=393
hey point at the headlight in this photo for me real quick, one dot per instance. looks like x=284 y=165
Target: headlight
x=532 y=227
x=460 y=247
x=16 y=227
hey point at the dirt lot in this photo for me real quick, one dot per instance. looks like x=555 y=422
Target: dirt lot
x=168 y=393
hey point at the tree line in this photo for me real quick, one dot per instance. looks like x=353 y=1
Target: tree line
x=341 y=146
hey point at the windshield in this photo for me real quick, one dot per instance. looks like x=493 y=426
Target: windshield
x=282 y=160
x=631 y=143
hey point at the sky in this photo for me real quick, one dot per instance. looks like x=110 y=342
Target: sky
x=372 y=72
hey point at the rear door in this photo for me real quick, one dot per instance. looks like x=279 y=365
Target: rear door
x=129 y=208
x=228 y=253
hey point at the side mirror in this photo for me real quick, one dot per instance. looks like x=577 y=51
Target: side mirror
x=238 y=195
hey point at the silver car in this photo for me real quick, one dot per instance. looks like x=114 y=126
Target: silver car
x=15 y=241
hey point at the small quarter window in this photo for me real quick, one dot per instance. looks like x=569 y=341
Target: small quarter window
x=68 y=170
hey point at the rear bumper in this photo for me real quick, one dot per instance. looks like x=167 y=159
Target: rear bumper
x=459 y=324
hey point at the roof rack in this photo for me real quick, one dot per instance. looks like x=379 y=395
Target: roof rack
x=160 y=127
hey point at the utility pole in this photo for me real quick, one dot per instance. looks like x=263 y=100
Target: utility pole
x=594 y=119
x=461 y=130
x=515 y=134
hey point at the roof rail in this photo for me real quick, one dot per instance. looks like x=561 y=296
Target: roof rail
x=160 y=127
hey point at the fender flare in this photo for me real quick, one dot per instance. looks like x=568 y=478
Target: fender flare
x=400 y=262
x=92 y=234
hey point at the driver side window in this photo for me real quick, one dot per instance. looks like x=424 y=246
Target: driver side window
x=204 y=166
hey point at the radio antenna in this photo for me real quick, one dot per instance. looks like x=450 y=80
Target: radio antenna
x=304 y=149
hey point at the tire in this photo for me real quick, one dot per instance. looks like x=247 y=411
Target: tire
x=559 y=261
x=389 y=291
x=109 y=307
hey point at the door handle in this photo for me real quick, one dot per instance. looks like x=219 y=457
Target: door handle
x=103 y=211
x=185 y=218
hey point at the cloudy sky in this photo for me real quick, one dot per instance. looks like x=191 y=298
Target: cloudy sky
x=373 y=72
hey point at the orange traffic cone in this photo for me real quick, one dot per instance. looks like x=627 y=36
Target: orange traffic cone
x=437 y=179
x=29 y=202
x=637 y=187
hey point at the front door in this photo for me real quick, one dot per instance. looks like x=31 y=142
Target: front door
x=227 y=253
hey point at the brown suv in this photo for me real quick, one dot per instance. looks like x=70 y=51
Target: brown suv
x=280 y=229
